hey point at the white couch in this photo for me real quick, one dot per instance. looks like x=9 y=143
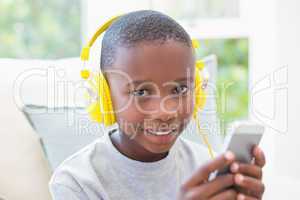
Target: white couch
x=24 y=169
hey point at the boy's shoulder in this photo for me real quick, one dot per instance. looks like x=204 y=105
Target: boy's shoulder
x=193 y=150
x=78 y=164
x=187 y=143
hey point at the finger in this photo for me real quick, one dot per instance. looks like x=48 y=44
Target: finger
x=245 y=197
x=246 y=169
x=225 y=195
x=217 y=185
x=202 y=174
x=254 y=186
x=260 y=159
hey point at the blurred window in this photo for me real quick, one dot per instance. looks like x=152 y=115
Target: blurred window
x=192 y=9
x=40 y=29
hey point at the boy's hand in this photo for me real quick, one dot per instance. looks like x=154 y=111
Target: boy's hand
x=198 y=187
x=248 y=177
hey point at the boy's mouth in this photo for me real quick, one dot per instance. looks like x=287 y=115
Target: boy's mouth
x=166 y=136
x=160 y=132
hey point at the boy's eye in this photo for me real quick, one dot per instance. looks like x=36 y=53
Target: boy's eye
x=181 y=89
x=140 y=93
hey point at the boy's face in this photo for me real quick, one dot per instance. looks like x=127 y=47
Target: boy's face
x=152 y=89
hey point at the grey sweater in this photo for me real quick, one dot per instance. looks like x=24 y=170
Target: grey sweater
x=100 y=171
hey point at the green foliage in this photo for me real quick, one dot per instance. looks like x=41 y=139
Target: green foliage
x=39 y=29
x=232 y=82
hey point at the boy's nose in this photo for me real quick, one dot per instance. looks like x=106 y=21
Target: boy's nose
x=166 y=117
x=165 y=111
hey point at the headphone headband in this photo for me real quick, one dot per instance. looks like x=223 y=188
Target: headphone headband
x=84 y=56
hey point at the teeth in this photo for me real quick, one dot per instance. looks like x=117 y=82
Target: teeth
x=161 y=132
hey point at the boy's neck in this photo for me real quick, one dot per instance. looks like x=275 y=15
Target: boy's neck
x=132 y=150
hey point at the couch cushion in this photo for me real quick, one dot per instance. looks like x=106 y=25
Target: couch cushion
x=63 y=130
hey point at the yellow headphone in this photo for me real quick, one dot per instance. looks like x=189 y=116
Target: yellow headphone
x=101 y=108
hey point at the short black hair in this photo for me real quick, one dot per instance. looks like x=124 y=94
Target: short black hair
x=139 y=26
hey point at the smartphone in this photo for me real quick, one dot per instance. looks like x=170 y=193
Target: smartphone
x=240 y=140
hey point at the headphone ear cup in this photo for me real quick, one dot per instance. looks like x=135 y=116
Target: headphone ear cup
x=106 y=107
x=101 y=108
x=200 y=94
x=94 y=112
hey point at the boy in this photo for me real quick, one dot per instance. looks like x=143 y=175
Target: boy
x=145 y=158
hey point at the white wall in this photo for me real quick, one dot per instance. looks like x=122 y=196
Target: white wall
x=260 y=18
x=288 y=146
x=274 y=38
x=274 y=62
